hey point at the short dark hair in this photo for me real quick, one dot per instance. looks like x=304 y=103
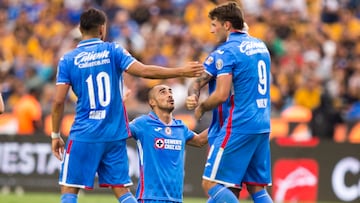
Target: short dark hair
x=91 y=19
x=231 y=12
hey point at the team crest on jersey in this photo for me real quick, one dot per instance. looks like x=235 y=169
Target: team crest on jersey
x=168 y=130
x=209 y=60
x=159 y=143
x=219 y=64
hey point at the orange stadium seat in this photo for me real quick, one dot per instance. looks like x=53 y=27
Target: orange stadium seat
x=354 y=134
x=279 y=128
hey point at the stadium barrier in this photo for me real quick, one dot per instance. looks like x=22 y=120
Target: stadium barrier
x=306 y=171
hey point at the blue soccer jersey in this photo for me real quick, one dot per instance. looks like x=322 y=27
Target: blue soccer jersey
x=220 y=113
x=161 y=150
x=248 y=60
x=94 y=71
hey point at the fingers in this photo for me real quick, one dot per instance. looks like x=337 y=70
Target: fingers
x=57 y=148
x=194 y=69
x=57 y=154
x=191 y=102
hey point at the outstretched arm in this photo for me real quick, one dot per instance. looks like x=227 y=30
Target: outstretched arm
x=199 y=140
x=192 y=69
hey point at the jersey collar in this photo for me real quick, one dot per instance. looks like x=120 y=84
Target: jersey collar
x=89 y=42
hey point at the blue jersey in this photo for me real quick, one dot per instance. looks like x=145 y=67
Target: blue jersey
x=161 y=150
x=94 y=71
x=248 y=60
x=220 y=113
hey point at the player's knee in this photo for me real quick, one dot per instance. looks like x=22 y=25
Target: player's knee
x=207 y=185
x=252 y=189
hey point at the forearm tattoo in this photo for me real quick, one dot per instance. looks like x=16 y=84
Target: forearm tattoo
x=199 y=83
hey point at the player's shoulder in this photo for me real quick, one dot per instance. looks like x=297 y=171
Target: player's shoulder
x=139 y=120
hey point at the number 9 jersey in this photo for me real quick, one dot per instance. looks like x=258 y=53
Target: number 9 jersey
x=248 y=60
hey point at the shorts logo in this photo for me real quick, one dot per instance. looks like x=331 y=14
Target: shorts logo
x=159 y=143
x=295 y=180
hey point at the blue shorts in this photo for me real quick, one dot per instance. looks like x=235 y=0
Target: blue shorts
x=82 y=161
x=239 y=159
x=154 y=201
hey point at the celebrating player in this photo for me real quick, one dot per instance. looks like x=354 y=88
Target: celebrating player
x=161 y=143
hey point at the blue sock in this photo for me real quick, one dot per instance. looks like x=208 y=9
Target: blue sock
x=221 y=194
x=127 y=198
x=261 y=197
x=69 y=198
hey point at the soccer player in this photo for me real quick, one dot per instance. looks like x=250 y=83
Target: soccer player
x=241 y=152
x=97 y=139
x=161 y=143
x=219 y=113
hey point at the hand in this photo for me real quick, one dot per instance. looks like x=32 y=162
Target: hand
x=191 y=102
x=198 y=113
x=193 y=69
x=57 y=147
x=126 y=95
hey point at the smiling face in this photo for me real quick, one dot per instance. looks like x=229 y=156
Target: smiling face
x=161 y=98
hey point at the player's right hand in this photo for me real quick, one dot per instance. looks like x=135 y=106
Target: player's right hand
x=191 y=102
x=193 y=69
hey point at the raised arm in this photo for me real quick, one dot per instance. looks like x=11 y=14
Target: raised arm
x=220 y=95
x=192 y=69
x=194 y=90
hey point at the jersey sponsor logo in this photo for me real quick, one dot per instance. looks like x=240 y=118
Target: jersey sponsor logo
x=209 y=60
x=159 y=143
x=219 y=64
x=91 y=59
x=295 y=180
x=170 y=144
x=251 y=48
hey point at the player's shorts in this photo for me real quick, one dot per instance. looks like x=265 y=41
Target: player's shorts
x=82 y=161
x=154 y=201
x=239 y=159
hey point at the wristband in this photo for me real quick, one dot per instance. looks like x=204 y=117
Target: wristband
x=55 y=135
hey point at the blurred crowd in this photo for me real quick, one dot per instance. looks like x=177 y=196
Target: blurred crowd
x=314 y=44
